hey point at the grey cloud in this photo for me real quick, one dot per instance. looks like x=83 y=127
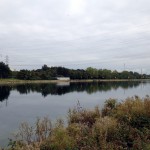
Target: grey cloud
x=76 y=34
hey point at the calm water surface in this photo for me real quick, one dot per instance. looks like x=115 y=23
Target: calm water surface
x=26 y=102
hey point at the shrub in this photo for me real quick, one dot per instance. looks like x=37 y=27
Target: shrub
x=83 y=116
x=110 y=105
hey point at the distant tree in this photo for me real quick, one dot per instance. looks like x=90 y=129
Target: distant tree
x=125 y=75
x=61 y=71
x=93 y=73
x=50 y=73
x=24 y=75
x=45 y=67
x=5 y=71
x=114 y=75
x=106 y=74
x=137 y=75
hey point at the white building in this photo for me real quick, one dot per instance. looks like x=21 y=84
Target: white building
x=63 y=78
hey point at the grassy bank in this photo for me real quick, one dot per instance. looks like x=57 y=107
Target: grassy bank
x=117 y=126
x=16 y=81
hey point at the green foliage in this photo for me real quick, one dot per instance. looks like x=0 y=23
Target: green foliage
x=110 y=105
x=83 y=116
x=50 y=73
x=5 y=71
x=134 y=111
x=59 y=139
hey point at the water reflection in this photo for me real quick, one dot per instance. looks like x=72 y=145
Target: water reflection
x=4 y=92
x=27 y=101
x=63 y=88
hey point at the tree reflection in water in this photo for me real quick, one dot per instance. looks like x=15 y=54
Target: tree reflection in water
x=60 y=89
x=4 y=92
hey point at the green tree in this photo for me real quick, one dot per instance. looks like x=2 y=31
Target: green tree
x=106 y=74
x=125 y=75
x=5 y=71
x=45 y=67
x=114 y=75
x=24 y=75
x=93 y=73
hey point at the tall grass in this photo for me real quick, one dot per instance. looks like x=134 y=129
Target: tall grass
x=117 y=126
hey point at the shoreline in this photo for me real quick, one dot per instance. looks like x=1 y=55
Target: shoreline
x=16 y=81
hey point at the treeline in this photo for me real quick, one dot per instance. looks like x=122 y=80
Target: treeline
x=50 y=73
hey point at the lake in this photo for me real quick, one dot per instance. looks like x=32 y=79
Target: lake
x=26 y=102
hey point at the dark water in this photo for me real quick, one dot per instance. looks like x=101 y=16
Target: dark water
x=25 y=102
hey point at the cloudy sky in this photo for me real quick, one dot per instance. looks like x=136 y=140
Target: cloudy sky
x=76 y=33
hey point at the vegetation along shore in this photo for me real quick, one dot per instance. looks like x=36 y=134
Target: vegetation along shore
x=117 y=126
x=54 y=73
x=17 y=81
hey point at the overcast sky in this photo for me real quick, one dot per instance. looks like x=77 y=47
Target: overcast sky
x=76 y=33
